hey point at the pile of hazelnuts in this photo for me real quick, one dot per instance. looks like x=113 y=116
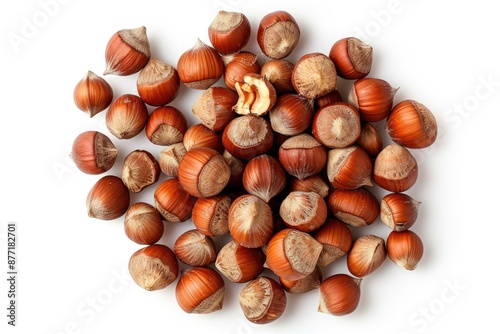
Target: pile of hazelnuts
x=280 y=165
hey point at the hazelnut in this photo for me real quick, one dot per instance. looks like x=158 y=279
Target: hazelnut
x=279 y=74
x=127 y=116
x=292 y=254
x=373 y=98
x=366 y=255
x=214 y=107
x=166 y=125
x=278 y=34
x=263 y=300
x=127 y=52
x=238 y=263
x=336 y=125
x=153 y=267
x=314 y=75
x=302 y=156
x=395 y=169
x=411 y=124
x=203 y=172
x=264 y=177
x=405 y=248
x=349 y=168
x=229 y=32
x=200 y=67
x=336 y=238
x=92 y=94
x=339 y=294
x=93 y=152
x=200 y=290
x=108 y=198
x=210 y=215
x=143 y=224
x=247 y=136
x=355 y=207
x=140 y=170
x=173 y=202
x=250 y=221
x=398 y=211
x=194 y=248
x=199 y=135
x=305 y=211
x=292 y=114
x=352 y=58
x=158 y=83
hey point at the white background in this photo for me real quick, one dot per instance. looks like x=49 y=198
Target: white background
x=73 y=270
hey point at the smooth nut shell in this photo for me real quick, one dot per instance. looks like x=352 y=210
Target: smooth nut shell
x=127 y=116
x=92 y=94
x=143 y=224
x=229 y=32
x=140 y=170
x=158 y=83
x=200 y=290
x=153 y=267
x=405 y=249
x=263 y=300
x=93 y=152
x=366 y=255
x=336 y=238
x=127 y=52
x=238 y=263
x=166 y=125
x=395 y=169
x=194 y=248
x=411 y=124
x=292 y=254
x=210 y=215
x=349 y=168
x=108 y=198
x=264 y=177
x=203 y=172
x=339 y=294
x=200 y=67
x=173 y=202
x=278 y=34
x=352 y=58
x=356 y=207
x=250 y=221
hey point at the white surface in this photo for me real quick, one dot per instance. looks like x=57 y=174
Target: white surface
x=72 y=269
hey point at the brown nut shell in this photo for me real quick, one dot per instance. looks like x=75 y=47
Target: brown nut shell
x=395 y=169
x=339 y=294
x=108 y=198
x=153 y=267
x=263 y=300
x=200 y=290
x=292 y=254
x=93 y=152
x=412 y=125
